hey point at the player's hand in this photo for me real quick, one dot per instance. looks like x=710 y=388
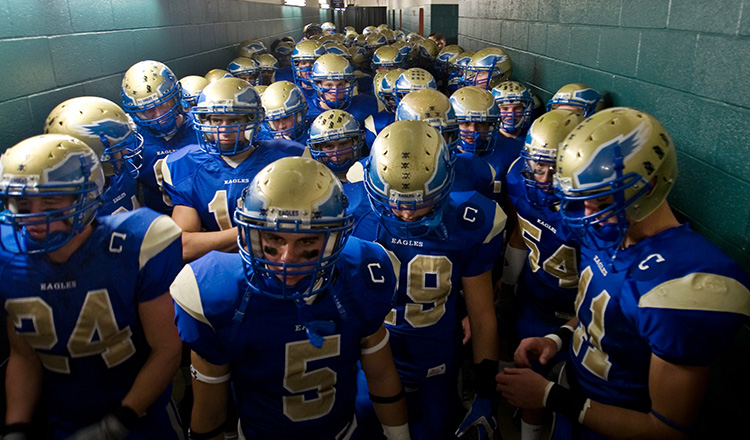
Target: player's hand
x=108 y=428
x=467 y=330
x=530 y=349
x=522 y=387
x=482 y=416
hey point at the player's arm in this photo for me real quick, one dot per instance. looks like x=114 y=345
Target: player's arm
x=23 y=379
x=157 y=319
x=386 y=391
x=210 y=397
x=481 y=310
x=195 y=243
x=676 y=393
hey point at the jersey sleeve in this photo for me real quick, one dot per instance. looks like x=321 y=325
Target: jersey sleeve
x=689 y=318
x=159 y=257
x=375 y=270
x=488 y=221
x=204 y=294
x=177 y=171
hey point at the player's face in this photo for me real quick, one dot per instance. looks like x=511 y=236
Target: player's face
x=249 y=77
x=594 y=205
x=266 y=77
x=469 y=128
x=282 y=124
x=339 y=150
x=158 y=111
x=509 y=112
x=481 y=78
x=411 y=215
x=335 y=89
x=542 y=171
x=228 y=129
x=291 y=247
x=36 y=226
x=305 y=64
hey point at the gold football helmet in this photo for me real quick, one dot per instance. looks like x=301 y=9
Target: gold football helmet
x=44 y=166
x=104 y=127
x=227 y=116
x=540 y=153
x=152 y=95
x=432 y=107
x=268 y=65
x=215 y=74
x=577 y=97
x=410 y=169
x=299 y=195
x=488 y=67
x=192 y=86
x=283 y=101
x=336 y=139
x=620 y=153
x=478 y=117
x=245 y=68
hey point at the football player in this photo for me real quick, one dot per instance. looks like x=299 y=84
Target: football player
x=153 y=97
x=387 y=58
x=487 y=68
x=205 y=180
x=285 y=320
x=244 y=68
x=445 y=241
x=303 y=57
x=89 y=318
x=336 y=140
x=111 y=133
x=412 y=79
x=333 y=80
x=383 y=86
x=472 y=173
x=577 y=97
x=541 y=259
x=656 y=301
x=268 y=65
x=285 y=109
x=192 y=86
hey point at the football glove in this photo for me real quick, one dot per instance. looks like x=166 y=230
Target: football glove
x=482 y=416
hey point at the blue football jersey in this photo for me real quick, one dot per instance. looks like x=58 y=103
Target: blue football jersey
x=155 y=150
x=506 y=151
x=673 y=294
x=284 y=386
x=473 y=173
x=121 y=195
x=549 y=281
x=211 y=186
x=360 y=107
x=424 y=323
x=375 y=123
x=81 y=316
x=284 y=74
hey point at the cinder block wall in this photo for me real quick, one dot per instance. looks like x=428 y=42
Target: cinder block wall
x=684 y=61
x=51 y=51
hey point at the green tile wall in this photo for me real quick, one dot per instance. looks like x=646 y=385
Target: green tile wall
x=685 y=62
x=52 y=50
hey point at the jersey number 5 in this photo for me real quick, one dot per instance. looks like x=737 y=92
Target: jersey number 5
x=298 y=380
x=95 y=333
x=562 y=264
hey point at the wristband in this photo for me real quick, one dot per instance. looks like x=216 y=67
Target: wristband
x=485 y=373
x=127 y=416
x=378 y=346
x=400 y=432
x=561 y=336
x=386 y=400
x=200 y=377
x=671 y=424
x=514 y=261
x=566 y=402
x=205 y=435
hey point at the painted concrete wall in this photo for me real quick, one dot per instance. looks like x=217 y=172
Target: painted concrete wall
x=53 y=50
x=685 y=62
